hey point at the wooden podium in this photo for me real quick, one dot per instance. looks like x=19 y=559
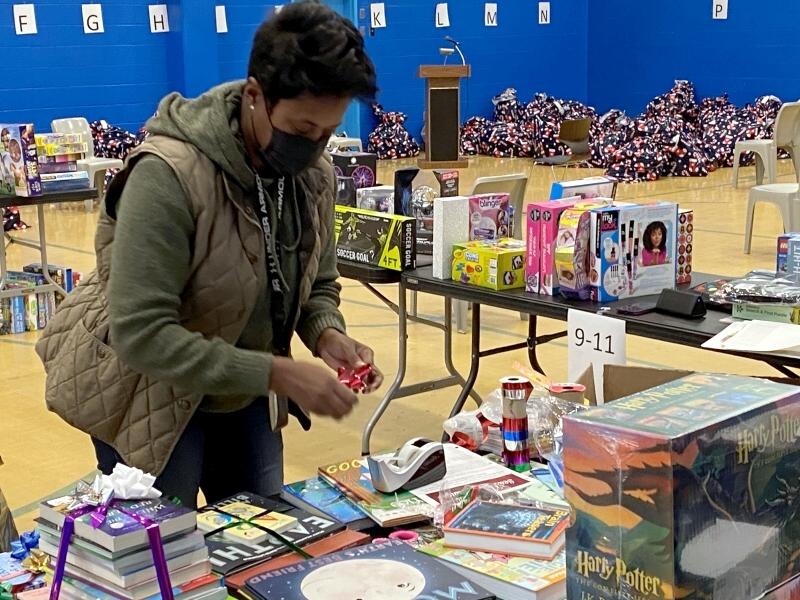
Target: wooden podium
x=443 y=115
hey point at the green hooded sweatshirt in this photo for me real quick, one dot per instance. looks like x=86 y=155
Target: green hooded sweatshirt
x=152 y=255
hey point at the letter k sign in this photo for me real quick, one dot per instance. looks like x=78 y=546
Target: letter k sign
x=378 y=15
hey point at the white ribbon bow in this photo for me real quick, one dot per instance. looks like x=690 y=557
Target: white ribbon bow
x=129 y=483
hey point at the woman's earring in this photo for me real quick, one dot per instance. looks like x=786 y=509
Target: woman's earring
x=252 y=107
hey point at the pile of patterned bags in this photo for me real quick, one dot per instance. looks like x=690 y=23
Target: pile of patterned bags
x=390 y=139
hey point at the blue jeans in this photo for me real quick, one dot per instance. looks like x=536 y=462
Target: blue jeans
x=220 y=453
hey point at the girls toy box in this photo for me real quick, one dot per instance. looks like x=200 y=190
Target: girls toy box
x=19 y=167
x=493 y=264
x=686 y=490
x=588 y=188
x=490 y=216
x=632 y=251
x=685 y=245
x=542 y=224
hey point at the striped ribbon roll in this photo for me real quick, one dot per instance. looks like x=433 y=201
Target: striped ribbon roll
x=516 y=446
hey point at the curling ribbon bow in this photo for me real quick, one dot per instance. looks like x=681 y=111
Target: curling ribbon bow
x=37 y=562
x=104 y=493
x=22 y=547
x=355 y=379
x=6 y=591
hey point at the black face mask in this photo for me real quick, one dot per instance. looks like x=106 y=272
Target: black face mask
x=289 y=154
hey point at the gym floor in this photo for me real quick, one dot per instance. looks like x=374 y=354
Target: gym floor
x=43 y=455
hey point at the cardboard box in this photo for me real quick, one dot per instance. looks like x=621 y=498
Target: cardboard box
x=533 y=241
x=493 y=264
x=588 y=188
x=683 y=270
x=19 y=166
x=345 y=191
x=450 y=226
x=680 y=491
x=633 y=250
x=415 y=192
x=379 y=198
x=766 y=311
x=375 y=238
x=361 y=166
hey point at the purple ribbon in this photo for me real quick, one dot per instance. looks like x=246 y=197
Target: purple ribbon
x=98 y=517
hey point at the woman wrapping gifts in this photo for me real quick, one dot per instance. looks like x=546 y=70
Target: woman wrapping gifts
x=214 y=247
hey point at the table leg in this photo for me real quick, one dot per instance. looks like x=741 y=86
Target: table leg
x=533 y=343
x=474 y=364
x=448 y=347
x=402 y=351
x=43 y=252
x=3 y=265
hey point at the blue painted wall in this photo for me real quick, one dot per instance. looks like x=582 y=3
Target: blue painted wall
x=638 y=48
x=517 y=53
x=118 y=76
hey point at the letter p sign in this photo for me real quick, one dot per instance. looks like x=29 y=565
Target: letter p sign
x=720 y=9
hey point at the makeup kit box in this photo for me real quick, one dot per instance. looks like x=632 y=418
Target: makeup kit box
x=572 y=251
x=494 y=264
x=19 y=166
x=415 y=193
x=361 y=166
x=633 y=250
x=374 y=238
x=542 y=225
x=683 y=273
x=587 y=189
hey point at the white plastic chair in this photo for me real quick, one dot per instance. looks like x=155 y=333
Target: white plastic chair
x=336 y=143
x=786 y=196
x=514 y=185
x=766 y=151
x=96 y=166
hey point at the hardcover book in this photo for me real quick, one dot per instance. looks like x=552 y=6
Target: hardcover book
x=387 y=510
x=390 y=571
x=319 y=497
x=508 y=529
x=228 y=556
x=509 y=577
x=686 y=490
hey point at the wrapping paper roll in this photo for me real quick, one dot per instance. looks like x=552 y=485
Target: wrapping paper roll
x=516 y=445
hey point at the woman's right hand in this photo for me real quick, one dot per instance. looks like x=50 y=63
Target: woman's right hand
x=311 y=387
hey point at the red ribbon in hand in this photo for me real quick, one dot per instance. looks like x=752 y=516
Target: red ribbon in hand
x=355 y=379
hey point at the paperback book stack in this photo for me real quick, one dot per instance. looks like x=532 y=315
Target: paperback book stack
x=29 y=311
x=59 y=154
x=114 y=561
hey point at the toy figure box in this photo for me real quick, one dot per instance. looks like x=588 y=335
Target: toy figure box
x=685 y=490
x=493 y=264
x=361 y=166
x=415 y=191
x=542 y=224
x=683 y=273
x=788 y=259
x=572 y=252
x=633 y=250
x=19 y=167
x=588 y=188
x=375 y=238
x=345 y=191
x=379 y=198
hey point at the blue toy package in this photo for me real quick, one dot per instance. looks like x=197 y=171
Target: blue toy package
x=633 y=250
x=19 y=166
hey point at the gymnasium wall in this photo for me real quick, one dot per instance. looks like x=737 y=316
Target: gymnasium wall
x=636 y=49
x=517 y=53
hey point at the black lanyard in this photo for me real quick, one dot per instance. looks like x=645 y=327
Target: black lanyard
x=281 y=327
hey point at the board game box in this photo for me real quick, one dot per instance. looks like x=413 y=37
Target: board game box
x=19 y=166
x=690 y=489
x=374 y=238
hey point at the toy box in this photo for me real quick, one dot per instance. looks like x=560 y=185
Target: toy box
x=450 y=226
x=19 y=167
x=788 y=262
x=632 y=250
x=588 y=188
x=494 y=264
x=686 y=490
x=490 y=216
x=375 y=238
x=683 y=273
x=542 y=224
x=571 y=256
x=379 y=198
x=533 y=243
x=361 y=166
x=345 y=191
x=415 y=192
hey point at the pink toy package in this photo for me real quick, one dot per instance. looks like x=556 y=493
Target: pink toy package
x=489 y=217
x=533 y=248
x=548 y=223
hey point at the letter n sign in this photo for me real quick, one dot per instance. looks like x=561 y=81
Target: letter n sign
x=544 y=13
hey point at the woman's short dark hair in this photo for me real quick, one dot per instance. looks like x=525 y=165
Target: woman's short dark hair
x=308 y=47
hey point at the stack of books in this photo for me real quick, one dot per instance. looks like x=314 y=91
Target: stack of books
x=114 y=561
x=58 y=155
x=29 y=311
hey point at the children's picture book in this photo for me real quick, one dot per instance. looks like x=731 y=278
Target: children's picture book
x=387 y=510
x=320 y=498
x=508 y=577
x=509 y=529
x=390 y=571
x=229 y=555
x=121 y=531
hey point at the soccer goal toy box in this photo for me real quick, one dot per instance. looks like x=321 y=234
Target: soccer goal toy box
x=415 y=191
x=689 y=489
x=493 y=264
x=374 y=238
x=588 y=188
x=19 y=166
x=361 y=166
x=633 y=250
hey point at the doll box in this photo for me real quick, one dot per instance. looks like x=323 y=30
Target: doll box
x=374 y=238
x=493 y=264
x=361 y=166
x=682 y=491
x=632 y=251
x=19 y=166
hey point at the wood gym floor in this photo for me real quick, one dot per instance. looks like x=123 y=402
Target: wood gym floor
x=43 y=455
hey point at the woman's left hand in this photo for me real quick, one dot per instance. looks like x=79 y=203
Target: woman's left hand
x=340 y=351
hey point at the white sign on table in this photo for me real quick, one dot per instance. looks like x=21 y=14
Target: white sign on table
x=594 y=340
